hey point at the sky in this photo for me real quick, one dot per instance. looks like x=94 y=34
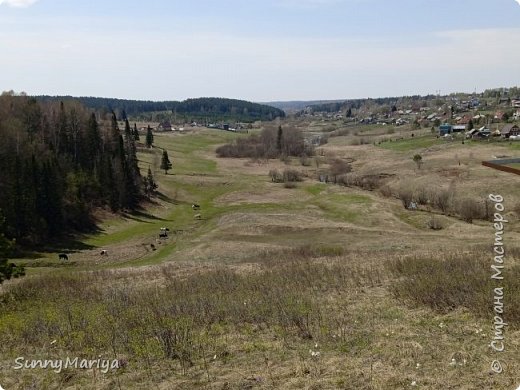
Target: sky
x=258 y=50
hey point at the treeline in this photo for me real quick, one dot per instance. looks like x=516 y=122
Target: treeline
x=359 y=103
x=191 y=109
x=270 y=143
x=58 y=161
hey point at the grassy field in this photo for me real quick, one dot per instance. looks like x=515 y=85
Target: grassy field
x=320 y=286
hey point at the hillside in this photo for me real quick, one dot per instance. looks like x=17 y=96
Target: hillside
x=205 y=108
x=267 y=286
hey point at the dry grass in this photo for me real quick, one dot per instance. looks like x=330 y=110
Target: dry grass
x=271 y=274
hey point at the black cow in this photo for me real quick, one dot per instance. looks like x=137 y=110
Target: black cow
x=63 y=256
x=195 y=206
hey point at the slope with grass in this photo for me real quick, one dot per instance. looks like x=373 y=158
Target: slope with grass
x=318 y=286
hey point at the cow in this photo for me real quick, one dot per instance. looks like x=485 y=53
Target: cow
x=165 y=229
x=163 y=235
x=63 y=256
x=195 y=206
x=197 y=216
x=152 y=246
x=104 y=252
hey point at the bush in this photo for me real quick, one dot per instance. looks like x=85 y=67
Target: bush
x=292 y=175
x=469 y=209
x=406 y=196
x=435 y=224
x=276 y=176
x=443 y=200
x=421 y=195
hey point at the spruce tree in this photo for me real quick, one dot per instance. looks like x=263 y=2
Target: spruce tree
x=150 y=186
x=165 y=162
x=149 y=137
x=136 y=133
x=7 y=270
x=279 y=139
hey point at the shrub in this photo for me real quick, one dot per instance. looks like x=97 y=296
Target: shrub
x=292 y=175
x=421 y=195
x=276 y=176
x=406 y=196
x=443 y=200
x=469 y=209
x=434 y=223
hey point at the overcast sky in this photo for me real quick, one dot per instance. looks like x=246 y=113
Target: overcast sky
x=260 y=50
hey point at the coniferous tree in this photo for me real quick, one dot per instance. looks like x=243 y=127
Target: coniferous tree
x=279 y=139
x=149 y=137
x=136 y=133
x=165 y=162
x=150 y=186
x=7 y=270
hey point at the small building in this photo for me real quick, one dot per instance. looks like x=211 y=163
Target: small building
x=510 y=130
x=458 y=128
x=445 y=129
x=165 y=126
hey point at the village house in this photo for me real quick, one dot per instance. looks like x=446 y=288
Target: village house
x=165 y=126
x=510 y=130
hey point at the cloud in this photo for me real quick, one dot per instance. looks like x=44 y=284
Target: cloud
x=518 y=1
x=18 y=3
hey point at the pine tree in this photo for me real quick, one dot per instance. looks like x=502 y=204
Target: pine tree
x=279 y=139
x=150 y=186
x=93 y=142
x=149 y=137
x=136 y=133
x=7 y=270
x=165 y=162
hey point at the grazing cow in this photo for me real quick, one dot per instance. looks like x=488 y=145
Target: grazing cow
x=197 y=216
x=165 y=229
x=63 y=256
x=163 y=235
x=152 y=246
x=195 y=206
x=104 y=252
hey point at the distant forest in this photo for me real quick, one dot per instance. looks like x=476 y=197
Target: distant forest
x=58 y=161
x=201 y=109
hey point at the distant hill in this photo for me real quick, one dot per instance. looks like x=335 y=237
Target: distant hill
x=298 y=105
x=210 y=109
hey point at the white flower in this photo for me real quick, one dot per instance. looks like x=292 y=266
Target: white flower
x=414 y=383
x=215 y=357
